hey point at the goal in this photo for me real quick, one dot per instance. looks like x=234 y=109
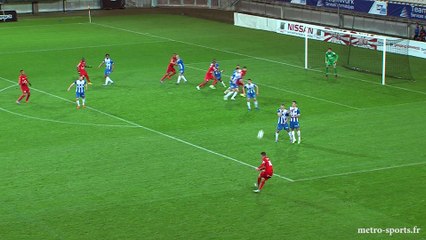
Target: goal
x=384 y=56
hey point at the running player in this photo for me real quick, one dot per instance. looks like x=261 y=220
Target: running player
x=170 y=68
x=217 y=77
x=252 y=91
x=241 y=81
x=282 y=122
x=266 y=172
x=80 y=88
x=23 y=83
x=294 y=122
x=233 y=87
x=81 y=69
x=181 y=65
x=109 y=67
x=331 y=60
x=209 y=75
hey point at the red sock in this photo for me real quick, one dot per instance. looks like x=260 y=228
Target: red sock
x=164 y=77
x=173 y=73
x=87 y=77
x=258 y=181
x=214 y=82
x=202 y=84
x=28 y=97
x=261 y=184
x=21 y=97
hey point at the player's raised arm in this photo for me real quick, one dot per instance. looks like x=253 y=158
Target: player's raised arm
x=72 y=84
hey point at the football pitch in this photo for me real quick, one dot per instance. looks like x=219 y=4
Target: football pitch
x=147 y=160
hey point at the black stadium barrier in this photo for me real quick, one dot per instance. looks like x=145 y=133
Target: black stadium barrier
x=8 y=16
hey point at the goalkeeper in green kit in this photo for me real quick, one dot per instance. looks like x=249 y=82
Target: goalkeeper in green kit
x=331 y=60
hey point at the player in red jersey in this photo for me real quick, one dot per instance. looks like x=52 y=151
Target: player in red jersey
x=266 y=172
x=240 y=82
x=23 y=83
x=209 y=75
x=81 y=69
x=170 y=68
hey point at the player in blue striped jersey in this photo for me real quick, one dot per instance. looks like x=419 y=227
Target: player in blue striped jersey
x=294 y=121
x=283 y=114
x=251 y=90
x=109 y=67
x=181 y=65
x=233 y=87
x=80 y=89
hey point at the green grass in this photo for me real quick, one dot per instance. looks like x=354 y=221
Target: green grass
x=144 y=161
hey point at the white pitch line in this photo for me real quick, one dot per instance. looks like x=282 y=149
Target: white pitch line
x=250 y=56
x=294 y=92
x=41 y=25
x=65 y=122
x=160 y=133
x=359 y=172
x=11 y=86
x=75 y=48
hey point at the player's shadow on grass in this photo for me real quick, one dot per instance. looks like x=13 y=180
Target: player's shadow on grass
x=335 y=151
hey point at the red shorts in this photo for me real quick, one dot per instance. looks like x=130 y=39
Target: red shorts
x=82 y=73
x=266 y=175
x=25 y=89
x=208 y=77
x=240 y=83
x=171 y=70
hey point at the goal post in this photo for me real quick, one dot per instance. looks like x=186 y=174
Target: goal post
x=362 y=52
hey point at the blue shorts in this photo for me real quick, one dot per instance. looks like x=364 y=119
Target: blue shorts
x=181 y=71
x=233 y=86
x=294 y=125
x=251 y=95
x=282 y=126
x=107 y=72
x=79 y=95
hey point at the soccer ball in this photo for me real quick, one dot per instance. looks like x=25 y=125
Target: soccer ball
x=260 y=134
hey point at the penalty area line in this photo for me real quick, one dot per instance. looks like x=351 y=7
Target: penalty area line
x=11 y=86
x=65 y=122
x=359 y=172
x=161 y=133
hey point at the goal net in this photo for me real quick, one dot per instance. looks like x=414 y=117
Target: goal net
x=360 y=52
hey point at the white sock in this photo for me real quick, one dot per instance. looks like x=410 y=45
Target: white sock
x=110 y=80
x=106 y=81
x=184 y=78
x=298 y=135
x=178 y=81
x=276 y=136
x=292 y=135
x=255 y=104
x=235 y=94
x=78 y=103
x=223 y=84
x=84 y=101
x=248 y=105
x=229 y=94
